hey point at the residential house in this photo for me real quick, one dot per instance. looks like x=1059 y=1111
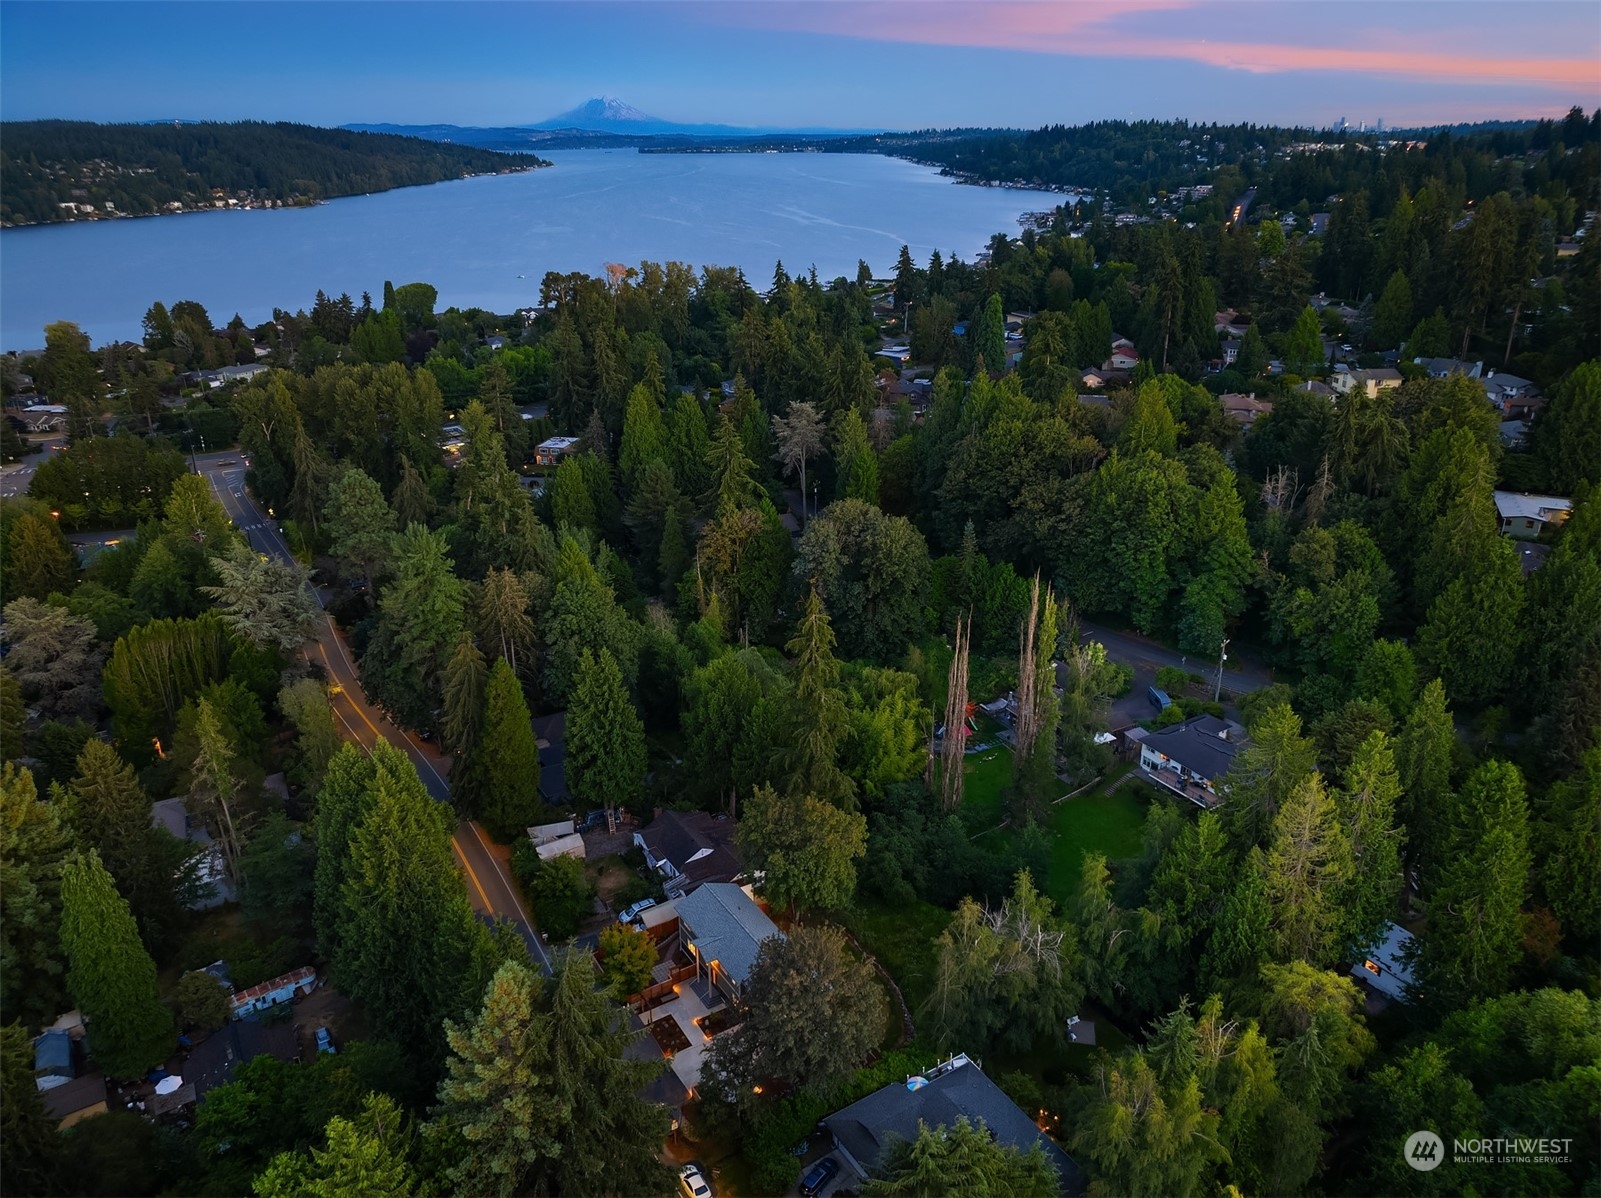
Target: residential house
x=1315 y=387
x=552 y=451
x=1123 y=358
x=241 y=374
x=44 y=417
x=1525 y=516
x=215 y=887
x=77 y=1100
x=265 y=995
x=722 y=928
x=213 y=1061
x=1320 y=224
x=1191 y=758
x=1444 y=368
x=1244 y=410
x=1231 y=350
x=1514 y=433
x=952 y=1090
x=1092 y=378
x=689 y=849
x=452 y=439
x=1369 y=382
x=495 y=341
x=1230 y=323
x=1387 y=967
x=550 y=732
x=1513 y=397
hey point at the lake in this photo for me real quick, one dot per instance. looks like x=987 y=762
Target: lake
x=487 y=242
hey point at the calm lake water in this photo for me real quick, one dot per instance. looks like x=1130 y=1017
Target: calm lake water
x=487 y=242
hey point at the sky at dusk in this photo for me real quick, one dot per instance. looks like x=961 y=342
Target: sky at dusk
x=890 y=64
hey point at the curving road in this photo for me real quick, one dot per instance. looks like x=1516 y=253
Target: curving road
x=489 y=886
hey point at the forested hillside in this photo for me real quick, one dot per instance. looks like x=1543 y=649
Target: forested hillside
x=70 y=170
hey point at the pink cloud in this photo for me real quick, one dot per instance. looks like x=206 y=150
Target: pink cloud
x=1132 y=29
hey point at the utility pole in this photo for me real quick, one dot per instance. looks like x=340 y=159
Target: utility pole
x=1222 y=656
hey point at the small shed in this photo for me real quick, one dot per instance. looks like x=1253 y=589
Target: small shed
x=571 y=845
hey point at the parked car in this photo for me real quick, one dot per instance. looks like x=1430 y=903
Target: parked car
x=1159 y=699
x=325 y=1041
x=692 y=1183
x=818 y=1176
x=630 y=914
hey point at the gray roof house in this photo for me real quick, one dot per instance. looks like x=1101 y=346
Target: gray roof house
x=723 y=928
x=955 y=1089
x=1190 y=758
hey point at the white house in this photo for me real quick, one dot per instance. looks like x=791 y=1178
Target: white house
x=1525 y=516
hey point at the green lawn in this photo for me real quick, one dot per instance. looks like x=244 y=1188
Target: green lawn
x=987 y=775
x=902 y=938
x=1094 y=823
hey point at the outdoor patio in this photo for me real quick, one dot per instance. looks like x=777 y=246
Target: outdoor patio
x=692 y=999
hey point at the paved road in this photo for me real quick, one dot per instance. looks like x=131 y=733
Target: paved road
x=1144 y=654
x=489 y=886
x=16 y=477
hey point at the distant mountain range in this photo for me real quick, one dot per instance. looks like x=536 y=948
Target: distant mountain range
x=601 y=121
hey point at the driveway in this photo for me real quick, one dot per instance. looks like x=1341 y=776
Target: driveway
x=1147 y=656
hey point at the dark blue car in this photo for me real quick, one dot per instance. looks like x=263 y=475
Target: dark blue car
x=818 y=1176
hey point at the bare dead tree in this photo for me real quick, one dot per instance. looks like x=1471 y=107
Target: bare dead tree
x=954 y=749
x=1026 y=726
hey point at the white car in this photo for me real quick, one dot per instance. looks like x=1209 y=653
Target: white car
x=692 y=1183
x=632 y=913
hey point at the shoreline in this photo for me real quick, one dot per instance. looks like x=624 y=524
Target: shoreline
x=90 y=218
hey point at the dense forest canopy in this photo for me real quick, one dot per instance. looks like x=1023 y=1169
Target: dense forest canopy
x=56 y=170
x=767 y=583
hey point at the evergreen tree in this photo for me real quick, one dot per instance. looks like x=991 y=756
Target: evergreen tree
x=37 y=558
x=305 y=705
x=1366 y=804
x=1392 y=319
x=1243 y=935
x=109 y=813
x=1475 y=930
x=1424 y=753
x=1265 y=773
x=507 y=757
x=1471 y=636
x=1303 y=346
x=605 y=739
x=498 y=1094
x=963 y=1157
x=109 y=974
x=411 y=947
x=32 y=1146
x=410 y=498
x=365 y=1157
x=503 y=619
x=361 y=523
x=1307 y=868
x=33 y=848
x=341 y=805
x=857 y=474
x=214 y=790
x=462 y=717
x=1140 y=1136
x=1252 y=358
x=820 y=720
x=988 y=331
x=644 y=434
x=420 y=617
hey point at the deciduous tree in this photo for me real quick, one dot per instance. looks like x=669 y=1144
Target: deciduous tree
x=807 y=848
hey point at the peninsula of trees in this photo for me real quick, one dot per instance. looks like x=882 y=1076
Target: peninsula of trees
x=78 y=170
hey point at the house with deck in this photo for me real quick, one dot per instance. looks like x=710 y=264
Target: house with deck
x=1191 y=758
